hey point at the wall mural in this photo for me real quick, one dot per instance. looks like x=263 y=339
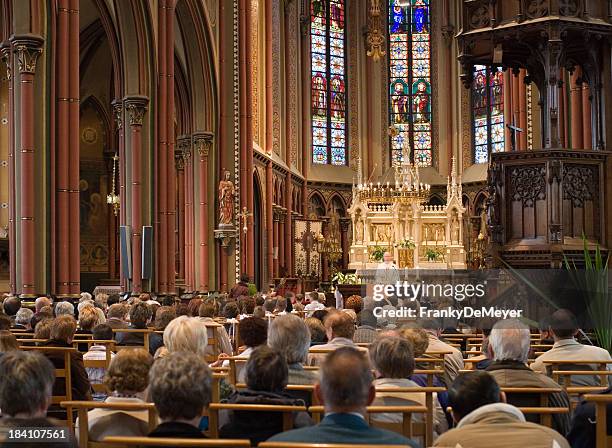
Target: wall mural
x=93 y=186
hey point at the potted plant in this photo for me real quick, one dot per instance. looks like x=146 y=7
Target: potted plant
x=406 y=243
x=432 y=254
x=348 y=284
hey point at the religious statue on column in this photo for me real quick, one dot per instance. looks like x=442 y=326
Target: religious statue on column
x=226 y=201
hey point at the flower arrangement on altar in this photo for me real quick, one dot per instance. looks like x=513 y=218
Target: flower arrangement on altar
x=406 y=243
x=346 y=279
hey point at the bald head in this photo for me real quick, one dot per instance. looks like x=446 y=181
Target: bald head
x=346 y=381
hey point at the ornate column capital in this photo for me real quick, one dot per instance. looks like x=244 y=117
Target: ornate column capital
x=179 y=160
x=183 y=144
x=202 y=142
x=345 y=224
x=118 y=112
x=27 y=47
x=6 y=52
x=136 y=106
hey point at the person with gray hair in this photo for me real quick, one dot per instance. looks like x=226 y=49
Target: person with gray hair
x=25 y=394
x=393 y=360
x=289 y=335
x=345 y=389
x=23 y=318
x=64 y=307
x=180 y=385
x=509 y=351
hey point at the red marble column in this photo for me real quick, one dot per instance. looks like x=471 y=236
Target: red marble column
x=74 y=239
x=180 y=182
x=249 y=141
x=118 y=113
x=170 y=136
x=62 y=155
x=189 y=215
x=576 y=105
x=275 y=244
x=587 y=136
x=507 y=108
x=27 y=49
x=161 y=222
x=344 y=242
x=290 y=138
x=203 y=143
x=246 y=181
x=136 y=107
x=269 y=222
x=516 y=100
x=7 y=58
x=282 y=257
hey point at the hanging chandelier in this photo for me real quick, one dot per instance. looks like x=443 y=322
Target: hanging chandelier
x=113 y=198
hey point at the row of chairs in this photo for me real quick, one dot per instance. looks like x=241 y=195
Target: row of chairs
x=406 y=427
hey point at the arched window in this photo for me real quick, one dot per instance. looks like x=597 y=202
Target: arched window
x=410 y=79
x=488 y=112
x=328 y=81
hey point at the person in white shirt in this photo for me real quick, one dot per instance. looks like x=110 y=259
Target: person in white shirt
x=96 y=352
x=314 y=304
x=127 y=378
x=387 y=272
x=564 y=327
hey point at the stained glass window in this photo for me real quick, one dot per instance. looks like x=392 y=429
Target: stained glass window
x=328 y=81
x=488 y=112
x=410 y=80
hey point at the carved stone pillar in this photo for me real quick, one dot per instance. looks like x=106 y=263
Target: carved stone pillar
x=136 y=107
x=118 y=113
x=179 y=163
x=27 y=49
x=170 y=170
x=274 y=243
x=202 y=143
x=344 y=241
x=269 y=221
x=563 y=109
x=587 y=137
x=186 y=146
x=576 y=104
x=7 y=59
x=282 y=256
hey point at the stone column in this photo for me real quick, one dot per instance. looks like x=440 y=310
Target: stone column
x=170 y=170
x=587 y=137
x=282 y=256
x=576 y=104
x=118 y=113
x=189 y=214
x=180 y=181
x=7 y=58
x=344 y=241
x=274 y=243
x=27 y=49
x=269 y=222
x=136 y=107
x=563 y=108
x=288 y=228
x=202 y=142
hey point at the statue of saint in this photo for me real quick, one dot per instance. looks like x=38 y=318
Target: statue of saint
x=226 y=201
x=359 y=229
x=455 y=228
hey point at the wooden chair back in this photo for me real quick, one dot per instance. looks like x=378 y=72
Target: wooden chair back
x=318 y=445
x=172 y=442
x=213 y=349
x=215 y=408
x=405 y=427
x=602 y=439
x=543 y=396
x=83 y=407
x=145 y=334
x=428 y=432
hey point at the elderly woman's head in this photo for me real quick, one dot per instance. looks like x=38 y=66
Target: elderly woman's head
x=266 y=370
x=140 y=314
x=163 y=316
x=186 y=334
x=290 y=335
x=418 y=338
x=392 y=357
x=317 y=330
x=63 y=328
x=128 y=373
x=88 y=318
x=253 y=331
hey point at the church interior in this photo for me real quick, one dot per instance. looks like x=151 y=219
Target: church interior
x=247 y=159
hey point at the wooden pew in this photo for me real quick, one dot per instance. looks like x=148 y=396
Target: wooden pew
x=602 y=439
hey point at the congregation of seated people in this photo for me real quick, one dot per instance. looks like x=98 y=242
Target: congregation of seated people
x=222 y=365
